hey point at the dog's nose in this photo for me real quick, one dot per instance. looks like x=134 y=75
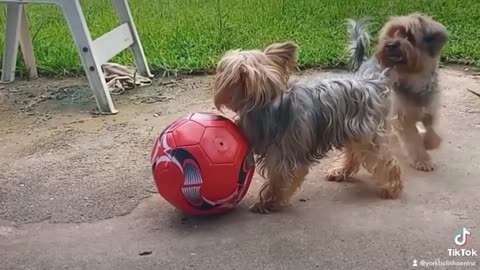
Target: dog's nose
x=392 y=45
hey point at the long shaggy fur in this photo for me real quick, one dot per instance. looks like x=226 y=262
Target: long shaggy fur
x=411 y=46
x=315 y=116
x=292 y=125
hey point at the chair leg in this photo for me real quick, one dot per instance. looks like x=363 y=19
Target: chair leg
x=27 y=47
x=125 y=16
x=76 y=21
x=12 y=35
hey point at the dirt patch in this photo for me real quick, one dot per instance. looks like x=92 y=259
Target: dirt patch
x=64 y=163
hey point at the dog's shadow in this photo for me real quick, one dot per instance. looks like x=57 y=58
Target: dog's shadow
x=356 y=189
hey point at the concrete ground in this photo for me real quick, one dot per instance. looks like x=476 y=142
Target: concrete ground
x=76 y=192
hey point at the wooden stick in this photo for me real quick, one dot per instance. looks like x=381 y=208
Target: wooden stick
x=473 y=92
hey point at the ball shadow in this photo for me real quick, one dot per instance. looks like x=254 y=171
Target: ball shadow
x=183 y=222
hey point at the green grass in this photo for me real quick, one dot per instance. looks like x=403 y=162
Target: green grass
x=190 y=35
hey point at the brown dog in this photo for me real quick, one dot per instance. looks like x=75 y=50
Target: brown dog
x=411 y=46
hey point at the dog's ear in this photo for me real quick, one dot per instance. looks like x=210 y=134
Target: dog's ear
x=283 y=54
x=246 y=79
x=440 y=34
x=436 y=38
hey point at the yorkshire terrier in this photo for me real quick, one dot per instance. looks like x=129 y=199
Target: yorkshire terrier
x=291 y=125
x=411 y=45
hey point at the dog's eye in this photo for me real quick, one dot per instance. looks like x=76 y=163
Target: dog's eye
x=410 y=37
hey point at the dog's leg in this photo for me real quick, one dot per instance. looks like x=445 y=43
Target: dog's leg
x=385 y=168
x=345 y=165
x=413 y=141
x=270 y=196
x=431 y=140
x=299 y=177
x=278 y=190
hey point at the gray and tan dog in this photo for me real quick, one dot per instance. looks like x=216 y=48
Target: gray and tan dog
x=291 y=125
x=411 y=46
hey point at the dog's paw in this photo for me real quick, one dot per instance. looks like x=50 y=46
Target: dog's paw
x=431 y=141
x=260 y=208
x=423 y=165
x=335 y=176
x=393 y=191
x=268 y=207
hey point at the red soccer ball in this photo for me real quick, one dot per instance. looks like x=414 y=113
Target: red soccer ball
x=202 y=164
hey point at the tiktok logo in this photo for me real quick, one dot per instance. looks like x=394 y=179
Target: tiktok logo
x=462 y=238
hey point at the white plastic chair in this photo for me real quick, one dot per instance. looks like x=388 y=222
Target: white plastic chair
x=93 y=53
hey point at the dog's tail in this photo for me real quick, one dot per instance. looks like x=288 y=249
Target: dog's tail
x=359 y=42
